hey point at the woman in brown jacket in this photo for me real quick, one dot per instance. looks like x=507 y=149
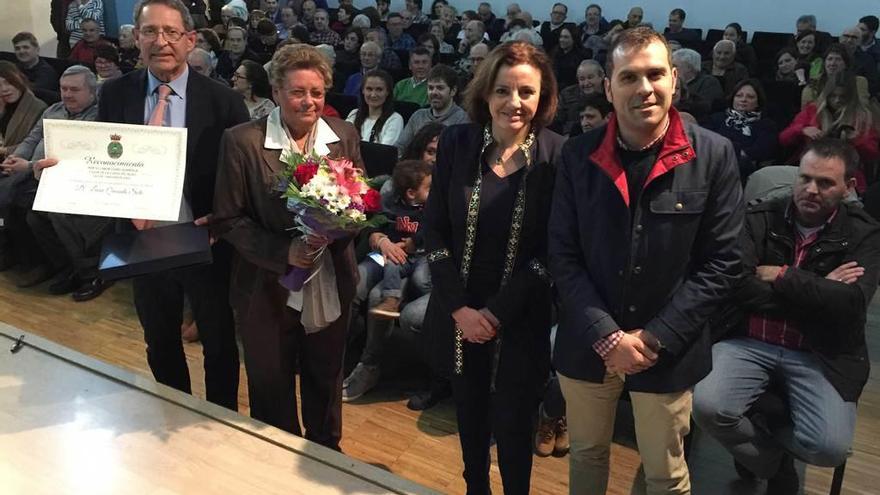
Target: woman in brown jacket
x=251 y=215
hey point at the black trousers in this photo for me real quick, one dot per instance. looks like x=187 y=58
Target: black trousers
x=274 y=343
x=17 y=239
x=508 y=413
x=71 y=240
x=158 y=299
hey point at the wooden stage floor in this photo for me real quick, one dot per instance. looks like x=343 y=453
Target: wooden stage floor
x=422 y=447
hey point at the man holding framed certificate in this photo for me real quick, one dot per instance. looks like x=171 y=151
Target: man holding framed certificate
x=168 y=94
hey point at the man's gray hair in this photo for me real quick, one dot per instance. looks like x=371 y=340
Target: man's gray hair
x=328 y=52
x=689 y=57
x=177 y=5
x=203 y=54
x=807 y=19
x=592 y=64
x=91 y=80
x=126 y=27
x=725 y=42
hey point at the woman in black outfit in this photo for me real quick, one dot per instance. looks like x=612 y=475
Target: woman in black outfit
x=486 y=237
x=567 y=55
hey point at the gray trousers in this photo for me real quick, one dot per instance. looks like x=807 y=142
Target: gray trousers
x=71 y=240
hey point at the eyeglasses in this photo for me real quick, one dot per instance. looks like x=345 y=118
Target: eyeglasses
x=299 y=93
x=170 y=35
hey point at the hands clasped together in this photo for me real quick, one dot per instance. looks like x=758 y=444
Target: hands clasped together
x=477 y=326
x=637 y=351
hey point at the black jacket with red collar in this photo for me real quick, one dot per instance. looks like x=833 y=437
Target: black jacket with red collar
x=667 y=268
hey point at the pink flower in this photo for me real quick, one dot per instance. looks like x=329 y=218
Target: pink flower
x=348 y=177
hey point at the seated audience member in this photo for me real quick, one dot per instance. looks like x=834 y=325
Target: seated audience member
x=594 y=113
x=682 y=100
x=797 y=324
x=106 y=63
x=251 y=82
x=438 y=29
x=634 y=18
x=234 y=9
x=236 y=51
x=79 y=11
x=863 y=64
x=200 y=61
x=567 y=55
x=476 y=56
x=474 y=32
x=594 y=24
x=599 y=43
x=451 y=26
x=837 y=60
x=129 y=54
x=389 y=59
x=382 y=9
x=414 y=8
x=808 y=55
x=442 y=89
x=805 y=23
x=19 y=108
x=322 y=34
x=348 y=57
x=423 y=145
x=68 y=245
x=868 y=26
x=375 y=118
x=837 y=112
x=590 y=81
x=550 y=29
x=27 y=51
x=396 y=37
x=84 y=50
x=344 y=15
x=704 y=89
x=788 y=69
x=429 y=42
x=415 y=89
x=676 y=31
x=494 y=25
x=404 y=256
x=207 y=40
x=724 y=66
x=308 y=10
x=265 y=42
x=370 y=55
x=289 y=20
x=745 y=54
x=754 y=136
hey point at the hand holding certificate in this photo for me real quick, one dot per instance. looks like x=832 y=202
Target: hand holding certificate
x=113 y=170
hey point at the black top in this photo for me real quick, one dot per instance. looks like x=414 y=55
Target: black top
x=497 y=196
x=8 y=112
x=637 y=165
x=41 y=76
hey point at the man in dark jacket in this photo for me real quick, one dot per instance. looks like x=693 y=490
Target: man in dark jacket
x=812 y=264
x=643 y=248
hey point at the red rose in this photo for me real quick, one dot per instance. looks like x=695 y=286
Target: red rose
x=304 y=173
x=372 y=201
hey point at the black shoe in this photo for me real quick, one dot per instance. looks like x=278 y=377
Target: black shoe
x=65 y=283
x=35 y=276
x=91 y=290
x=785 y=481
x=429 y=399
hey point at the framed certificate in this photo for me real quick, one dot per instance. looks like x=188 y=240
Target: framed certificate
x=113 y=170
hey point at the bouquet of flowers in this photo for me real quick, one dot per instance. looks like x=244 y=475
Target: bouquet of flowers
x=328 y=197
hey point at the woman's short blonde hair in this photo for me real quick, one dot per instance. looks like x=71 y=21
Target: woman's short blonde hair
x=299 y=56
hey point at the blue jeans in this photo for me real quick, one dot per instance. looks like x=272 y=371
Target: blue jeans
x=822 y=423
x=415 y=267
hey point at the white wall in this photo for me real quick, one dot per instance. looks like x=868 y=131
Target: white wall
x=754 y=15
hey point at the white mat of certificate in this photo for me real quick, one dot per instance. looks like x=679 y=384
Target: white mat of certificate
x=113 y=170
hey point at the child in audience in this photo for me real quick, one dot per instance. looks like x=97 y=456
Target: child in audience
x=402 y=246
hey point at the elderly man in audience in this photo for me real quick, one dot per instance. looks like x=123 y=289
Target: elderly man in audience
x=396 y=37
x=703 y=90
x=370 y=55
x=863 y=64
x=474 y=32
x=550 y=29
x=494 y=25
x=129 y=54
x=199 y=60
x=288 y=20
x=38 y=71
x=84 y=50
x=796 y=325
x=724 y=65
x=634 y=18
x=415 y=89
x=388 y=58
x=70 y=243
x=590 y=82
x=594 y=24
x=868 y=26
x=79 y=11
x=322 y=34
x=442 y=88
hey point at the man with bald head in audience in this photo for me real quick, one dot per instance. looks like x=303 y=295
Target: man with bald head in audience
x=634 y=17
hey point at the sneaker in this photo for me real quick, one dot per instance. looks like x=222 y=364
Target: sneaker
x=361 y=380
x=785 y=481
x=561 y=446
x=545 y=435
x=388 y=309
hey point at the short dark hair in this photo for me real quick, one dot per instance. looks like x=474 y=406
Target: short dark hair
x=177 y=5
x=211 y=37
x=756 y=85
x=409 y=174
x=25 y=36
x=739 y=30
x=511 y=54
x=259 y=79
x=92 y=21
x=393 y=15
x=420 y=50
x=599 y=102
x=559 y=4
x=108 y=52
x=840 y=50
x=679 y=12
x=633 y=39
x=594 y=6
x=827 y=147
x=444 y=73
x=871 y=22
x=266 y=27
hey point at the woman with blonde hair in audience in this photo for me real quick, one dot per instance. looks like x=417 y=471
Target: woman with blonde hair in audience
x=836 y=60
x=837 y=112
x=438 y=29
x=375 y=118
